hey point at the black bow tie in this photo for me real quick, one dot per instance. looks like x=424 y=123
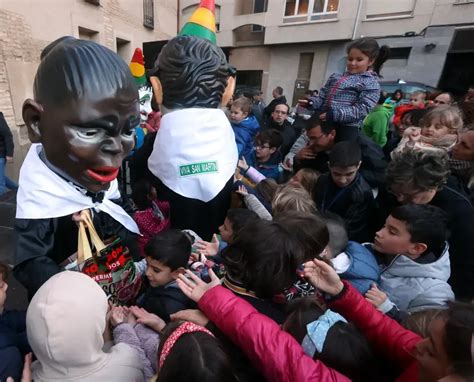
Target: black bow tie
x=96 y=198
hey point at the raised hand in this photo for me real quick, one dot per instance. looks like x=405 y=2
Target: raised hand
x=146 y=318
x=242 y=164
x=323 y=277
x=242 y=190
x=193 y=287
x=206 y=248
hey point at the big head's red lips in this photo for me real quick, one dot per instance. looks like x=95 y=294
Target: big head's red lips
x=103 y=174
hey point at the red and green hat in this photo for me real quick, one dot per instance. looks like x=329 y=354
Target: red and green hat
x=137 y=67
x=202 y=22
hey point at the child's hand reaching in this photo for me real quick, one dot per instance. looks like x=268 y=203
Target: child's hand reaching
x=375 y=296
x=191 y=315
x=242 y=164
x=242 y=190
x=323 y=277
x=193 y=287
x=118 y=315
x=149 y=319
x=206 y=248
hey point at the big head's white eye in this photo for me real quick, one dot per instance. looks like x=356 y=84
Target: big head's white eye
x=87 y=133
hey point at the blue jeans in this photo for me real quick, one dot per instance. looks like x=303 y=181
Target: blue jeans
x=5 y=181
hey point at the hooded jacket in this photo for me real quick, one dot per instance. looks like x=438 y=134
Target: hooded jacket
x=414 y=286
x=348 y=98
x=363 y=269
x=269 y=169
x=65 y=322
x=245 y=132
x=375 y=125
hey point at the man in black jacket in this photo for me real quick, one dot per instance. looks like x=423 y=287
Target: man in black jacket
x=322 y=138
x=6 y=155
x=278 y=98
x=278 y=121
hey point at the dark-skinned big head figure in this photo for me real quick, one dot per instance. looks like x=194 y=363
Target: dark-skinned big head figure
x=84 y=111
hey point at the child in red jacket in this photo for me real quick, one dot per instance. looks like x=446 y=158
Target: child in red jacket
x=445 y=356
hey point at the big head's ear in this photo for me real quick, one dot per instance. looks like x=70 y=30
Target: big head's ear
x=229 y=91
x=32 y=112
x=157 y=89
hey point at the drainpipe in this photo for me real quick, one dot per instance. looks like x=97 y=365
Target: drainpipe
x=178 y=16
x=356 y=22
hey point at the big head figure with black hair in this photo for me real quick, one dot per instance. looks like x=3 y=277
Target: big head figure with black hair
x=84 y=111
x=194 y=155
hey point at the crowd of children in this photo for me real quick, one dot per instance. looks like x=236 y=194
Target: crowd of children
x=348 y=254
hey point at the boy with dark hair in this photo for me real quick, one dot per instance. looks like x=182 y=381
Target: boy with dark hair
x=413 y=253
x=423 y=178
x=344 y=191
x=13 y=341
x=167 y=255
x=265 y=157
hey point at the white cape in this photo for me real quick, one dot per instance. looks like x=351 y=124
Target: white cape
x=194 y=153
x=43 y=194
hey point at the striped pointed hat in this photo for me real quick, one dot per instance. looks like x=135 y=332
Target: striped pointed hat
x=137 y=67
x=202 y=22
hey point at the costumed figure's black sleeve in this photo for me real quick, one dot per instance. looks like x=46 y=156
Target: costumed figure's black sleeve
x=34 y=241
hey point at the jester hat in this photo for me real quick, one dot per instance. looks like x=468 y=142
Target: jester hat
x=202 y=22
x=137 y=67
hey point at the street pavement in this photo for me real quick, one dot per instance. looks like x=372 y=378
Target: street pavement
x=16 y=294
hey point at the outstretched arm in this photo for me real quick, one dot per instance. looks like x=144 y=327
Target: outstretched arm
x=275 y=353
x=390 y=338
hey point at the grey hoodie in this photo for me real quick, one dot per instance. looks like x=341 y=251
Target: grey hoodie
x=414 y=286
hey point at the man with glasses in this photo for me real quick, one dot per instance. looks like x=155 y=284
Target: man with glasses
x=279 y=122
x=278 y=98
x=322 y=137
